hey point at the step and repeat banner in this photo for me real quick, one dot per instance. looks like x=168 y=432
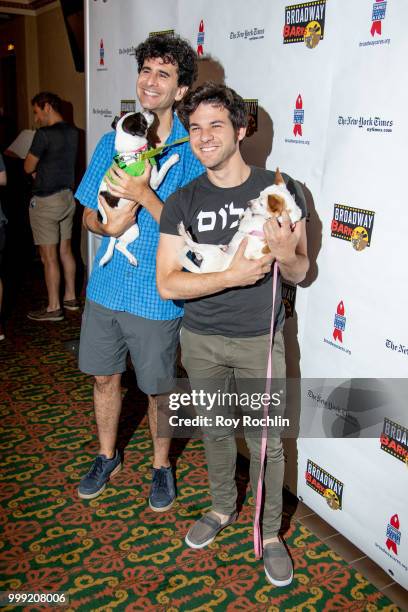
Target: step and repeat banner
x=326 y=88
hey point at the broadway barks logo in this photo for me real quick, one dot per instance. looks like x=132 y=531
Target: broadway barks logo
x=305 y=23
x=379 y=9
x=127 y=106
x=289 y=298
x=353 y=224
x=162 y=32
x=200 y=39
x=325 y=485
x=394 y=440
x=251 y=105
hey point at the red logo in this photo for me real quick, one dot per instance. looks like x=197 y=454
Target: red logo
x=378 y=15
x=200 y=39
x=101 y=53
x=298 y=116
x=393 y=534
x=339 y=323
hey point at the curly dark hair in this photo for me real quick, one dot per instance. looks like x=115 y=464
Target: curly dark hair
x=172 y=50
x=217 y=95
x=47 y=97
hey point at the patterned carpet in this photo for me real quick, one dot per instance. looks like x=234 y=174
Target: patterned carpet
x=113 y=553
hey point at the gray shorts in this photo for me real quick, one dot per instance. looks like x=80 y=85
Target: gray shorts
x=107 y=335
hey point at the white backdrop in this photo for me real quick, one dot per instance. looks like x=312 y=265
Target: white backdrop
x=349 y=150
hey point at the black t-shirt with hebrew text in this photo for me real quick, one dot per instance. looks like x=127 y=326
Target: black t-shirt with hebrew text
x=211 y=214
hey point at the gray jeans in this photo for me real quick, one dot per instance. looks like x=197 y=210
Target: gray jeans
x=218 y=358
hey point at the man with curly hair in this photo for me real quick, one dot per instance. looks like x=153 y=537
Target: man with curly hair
x=124 y=311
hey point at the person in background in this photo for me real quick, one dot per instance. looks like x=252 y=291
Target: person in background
x=51 y=161
x=3 y=221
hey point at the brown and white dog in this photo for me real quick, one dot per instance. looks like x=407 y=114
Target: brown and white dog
x=271 y=202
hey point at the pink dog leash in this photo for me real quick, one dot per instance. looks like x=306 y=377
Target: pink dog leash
x=257 y=530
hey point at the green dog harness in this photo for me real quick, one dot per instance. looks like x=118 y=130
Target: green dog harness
x=133 y=163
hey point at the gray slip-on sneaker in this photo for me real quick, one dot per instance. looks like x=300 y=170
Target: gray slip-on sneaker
x=205 y=529
x=278 y=564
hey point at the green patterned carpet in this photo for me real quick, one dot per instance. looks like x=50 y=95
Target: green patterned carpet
x=113 y=553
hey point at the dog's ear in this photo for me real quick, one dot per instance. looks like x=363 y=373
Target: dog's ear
x=278 y=178
x=115 y=122
x=276 y=204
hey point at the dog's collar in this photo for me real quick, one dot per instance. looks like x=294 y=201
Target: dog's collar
x=140 y=149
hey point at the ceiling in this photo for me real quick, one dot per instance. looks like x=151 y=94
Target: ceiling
x=12 y=8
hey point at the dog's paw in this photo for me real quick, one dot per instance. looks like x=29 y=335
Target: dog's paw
x=132 y=260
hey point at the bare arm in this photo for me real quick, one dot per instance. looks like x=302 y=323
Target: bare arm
x=173 y=283
x=119 y=219
x=30 y=163
x=135 y=188
x=289 y=247
x=3 y=178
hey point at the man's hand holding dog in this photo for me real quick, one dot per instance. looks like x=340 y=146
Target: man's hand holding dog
x=289 y=245
x=282 y=238
x=118 y=219
x=243 y=271
x=124 y=185
x=135 y=188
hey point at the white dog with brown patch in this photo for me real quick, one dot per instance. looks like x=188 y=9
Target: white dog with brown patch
x=271 y=202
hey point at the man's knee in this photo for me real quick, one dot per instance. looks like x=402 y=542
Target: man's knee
x=107 y=384
x=48 y=253
x=65 y=248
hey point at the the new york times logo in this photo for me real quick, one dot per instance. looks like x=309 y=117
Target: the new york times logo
x=353 y=224
x=127 y=50
x=370 y=124
x=104 y=112
x=394 y=440
x=398 y=348
x=252 y=34
x=325 y=485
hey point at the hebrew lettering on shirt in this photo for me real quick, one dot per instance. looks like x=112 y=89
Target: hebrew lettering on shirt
x=207 y=220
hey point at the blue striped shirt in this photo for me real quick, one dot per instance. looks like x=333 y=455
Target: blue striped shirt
x=118 y=285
